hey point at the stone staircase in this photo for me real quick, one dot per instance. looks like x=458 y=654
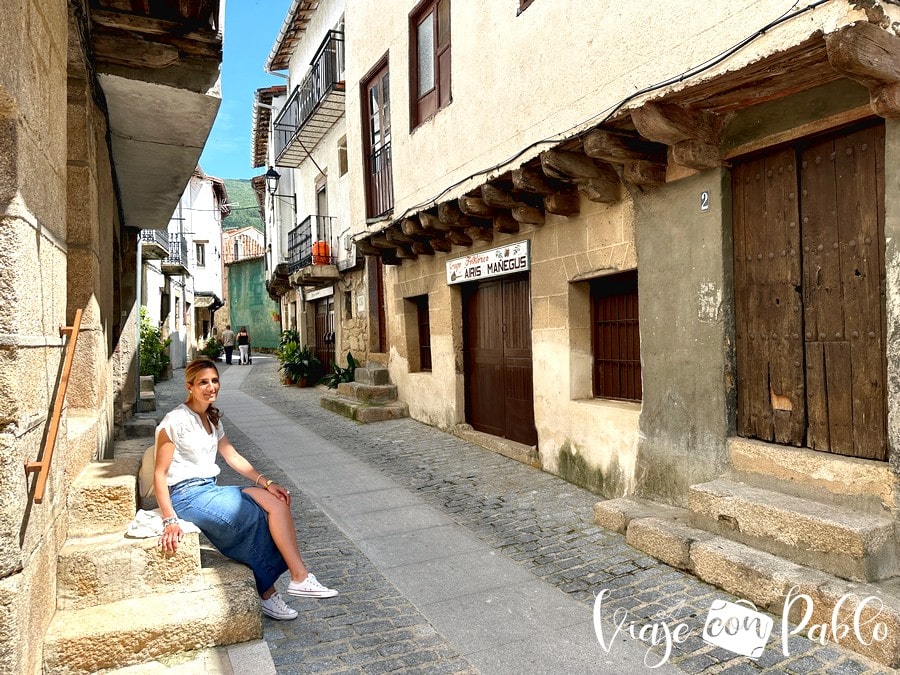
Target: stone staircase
x=369 y=398
x=786 y=522
x=121 y=601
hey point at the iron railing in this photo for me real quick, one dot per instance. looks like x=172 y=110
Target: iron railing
x=380 y=182
x=178 y=251
x=325 y=75
x=158 y=237
x=312 y=243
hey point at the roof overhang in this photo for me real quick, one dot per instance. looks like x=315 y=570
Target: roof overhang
x=292 y=31
x=158 y=65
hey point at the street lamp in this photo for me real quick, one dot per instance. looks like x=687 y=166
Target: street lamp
x=272 y=178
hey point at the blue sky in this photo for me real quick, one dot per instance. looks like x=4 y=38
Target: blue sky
x=251 y=27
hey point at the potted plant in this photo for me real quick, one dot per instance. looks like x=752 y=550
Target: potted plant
x=297 y=363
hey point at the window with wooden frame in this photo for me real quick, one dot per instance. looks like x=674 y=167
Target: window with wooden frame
x=377 y=141
x=615 y=337
x=429 y=59
x=200 y=253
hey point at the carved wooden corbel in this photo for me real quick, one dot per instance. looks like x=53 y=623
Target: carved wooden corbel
x=871 y=56
x=693 y=134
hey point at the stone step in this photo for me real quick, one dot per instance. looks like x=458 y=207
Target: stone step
x=140 y=426
x=147 y=402
x=111 y=567
x=849 y=544
x=779 y=586
x=364 y=412
x=225 y=610
x=864 y=485
x=147 y=384
x=372 y=373
x=375 y=394
x=104 y=497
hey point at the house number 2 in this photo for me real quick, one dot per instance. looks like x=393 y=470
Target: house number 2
x=704 y=201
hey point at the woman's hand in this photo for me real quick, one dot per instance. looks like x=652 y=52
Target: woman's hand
x=170 y=538
x=280 y=492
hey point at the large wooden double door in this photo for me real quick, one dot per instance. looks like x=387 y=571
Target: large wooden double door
x=497 y=330
x=809 y=293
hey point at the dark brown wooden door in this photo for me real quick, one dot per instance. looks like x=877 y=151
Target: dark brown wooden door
x=808 y=261
x=499 y=389
x=325 y=332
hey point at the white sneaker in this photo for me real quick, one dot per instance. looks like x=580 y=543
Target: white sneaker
x=277 y=608
x=310 y=588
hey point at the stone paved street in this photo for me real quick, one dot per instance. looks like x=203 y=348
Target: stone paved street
x=538 y=521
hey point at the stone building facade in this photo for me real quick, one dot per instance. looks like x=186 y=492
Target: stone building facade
x=101 y=122
x=652 y=253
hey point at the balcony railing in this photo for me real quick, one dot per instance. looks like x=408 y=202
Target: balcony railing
x=312 y=243
x=177 y=260
x=380 y=182
x=314 y=106
x=154 y=244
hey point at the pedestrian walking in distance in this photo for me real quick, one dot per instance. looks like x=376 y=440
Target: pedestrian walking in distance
x=228 y=343
x=251 y=524
x=243 y=343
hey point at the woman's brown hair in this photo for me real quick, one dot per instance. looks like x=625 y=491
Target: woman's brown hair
x=190 y=374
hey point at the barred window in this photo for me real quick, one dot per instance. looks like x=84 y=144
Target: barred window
x=615 y=337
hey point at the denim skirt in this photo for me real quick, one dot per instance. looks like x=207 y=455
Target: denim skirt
x=233 y=522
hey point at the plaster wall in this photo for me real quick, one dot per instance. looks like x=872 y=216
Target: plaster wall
x=687 y=328
x=576 y=77
x=892 y=295
x=588 y=441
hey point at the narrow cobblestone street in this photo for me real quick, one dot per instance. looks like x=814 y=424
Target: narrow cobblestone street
x=539 y=522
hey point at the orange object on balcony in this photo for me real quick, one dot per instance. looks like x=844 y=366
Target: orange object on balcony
x=321 y=253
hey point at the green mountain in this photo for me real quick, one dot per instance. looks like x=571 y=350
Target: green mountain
x=245 y=209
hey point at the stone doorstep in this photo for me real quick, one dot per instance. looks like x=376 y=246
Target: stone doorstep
x=526 y=454
x=615 y=514
x=368 y=393
x=846 y=543
x=141 y=426
x=128 y=632
x=374 y=374
x=766 y=580
x=363 y=412
x=813 y=474
x=107 y=568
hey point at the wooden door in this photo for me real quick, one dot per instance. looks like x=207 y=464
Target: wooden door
x=497 y=331
x=324 y=332
x=808 y=261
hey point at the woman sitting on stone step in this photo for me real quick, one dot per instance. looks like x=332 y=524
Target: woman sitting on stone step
x=252 y=524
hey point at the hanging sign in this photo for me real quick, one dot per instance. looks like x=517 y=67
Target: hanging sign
x=493 y=263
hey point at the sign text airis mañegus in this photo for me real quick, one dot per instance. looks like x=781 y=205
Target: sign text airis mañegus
x=493 y=263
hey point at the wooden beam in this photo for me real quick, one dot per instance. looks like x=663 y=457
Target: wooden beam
x=150 y=26
x=618 y=147
x=528 y=214
x=405 y=253
x=449 y=213
x=696 y=155
x=530 y=179
x=498 y=198
x=644 y=174
x=366 y=248
x=600 y=191
x=671 y=124
x=441 y=244
x=475 y=206
x=390 y=259
x=575 y=165
x=431 y=222
x=422 y=248
x=397 y=237
x=459 y=238
x=133 y=52
x=381 y=241
x=865 y=53
x=480 y=233
x=563 y=203
x=411 y=227
x=505 y=224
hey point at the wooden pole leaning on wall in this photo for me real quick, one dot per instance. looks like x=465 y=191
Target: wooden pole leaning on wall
x=43 y=466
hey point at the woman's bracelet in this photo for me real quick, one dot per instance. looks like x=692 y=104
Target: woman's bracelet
x=256 y=482
x=170 y=521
